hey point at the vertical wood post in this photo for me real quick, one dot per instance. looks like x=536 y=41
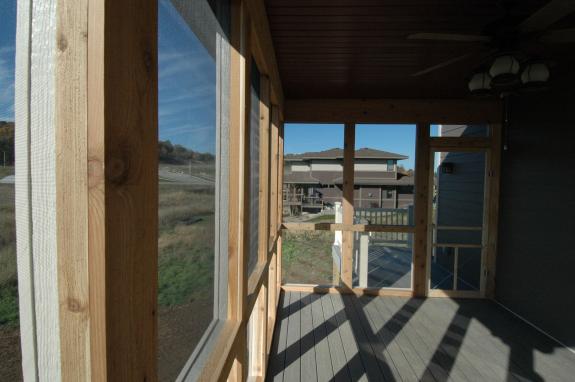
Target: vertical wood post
x=494 y=174
x=422 y=209
x=280 y=202
x=241 y=365
x=348 y=175
x=275 y=189
x=264 y=189
x=72 y=192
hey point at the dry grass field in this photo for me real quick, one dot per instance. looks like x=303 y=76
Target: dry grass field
x=306 y=257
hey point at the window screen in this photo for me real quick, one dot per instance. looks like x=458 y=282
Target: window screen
x=10 y=361
x=193 y=76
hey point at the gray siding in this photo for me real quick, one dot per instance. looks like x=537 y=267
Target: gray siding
x=536 y=257
x=460 y=202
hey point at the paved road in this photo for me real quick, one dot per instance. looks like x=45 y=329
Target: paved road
x=7 y=180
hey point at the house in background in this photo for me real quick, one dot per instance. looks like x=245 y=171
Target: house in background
x=313 y=180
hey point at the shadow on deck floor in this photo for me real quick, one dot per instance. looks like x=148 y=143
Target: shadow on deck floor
x=348 y=338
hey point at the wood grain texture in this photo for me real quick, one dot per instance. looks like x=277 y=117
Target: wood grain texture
x=347 y=203
x=275 y=186
x=280 y=200
x=447 y=111
x=264 y=186
x=236 y=154
x=96 y=150
x=494 y=173
x=72 y=189
x=422 y=208
x=131 y=188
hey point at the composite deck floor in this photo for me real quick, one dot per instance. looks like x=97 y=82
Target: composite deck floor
x=348 y=338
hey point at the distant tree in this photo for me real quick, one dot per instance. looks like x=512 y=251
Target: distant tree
x=178 y=154
x=401 y=169
x=7 y=143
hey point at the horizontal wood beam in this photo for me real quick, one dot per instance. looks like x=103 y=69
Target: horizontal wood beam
x=347 y=227
x=434 y=111
x=323 y=289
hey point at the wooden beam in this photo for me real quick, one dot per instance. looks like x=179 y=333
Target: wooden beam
x=422 y=209
x=440 y=111
x=347 y=202
x=280 y=202
x=72 y=196
x=264 y=161
x=323 y=289
x=274 y=173
x=264 y=49
x=241 y=368
x=131 y=187
x=344 y=227
x=494 y=174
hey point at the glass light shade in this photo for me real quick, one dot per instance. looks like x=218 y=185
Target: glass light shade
x=480 y=83
x=535 y=73
x=504 y=65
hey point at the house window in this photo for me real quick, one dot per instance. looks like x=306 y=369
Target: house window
x=193 y=93
x=390 y=165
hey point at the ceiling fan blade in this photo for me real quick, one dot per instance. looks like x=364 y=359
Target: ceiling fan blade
x=547 y=15
x=449 y=37
x=559 y=36
x=441 y=65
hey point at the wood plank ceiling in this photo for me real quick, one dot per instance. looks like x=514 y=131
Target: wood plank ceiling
x=359 y=48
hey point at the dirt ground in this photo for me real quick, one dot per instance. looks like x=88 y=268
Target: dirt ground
x=10 y=355
x=179 y=330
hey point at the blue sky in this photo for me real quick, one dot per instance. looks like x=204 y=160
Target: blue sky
x=186 y=84
x=187 y=79
x=400 y=139
x=187 y=95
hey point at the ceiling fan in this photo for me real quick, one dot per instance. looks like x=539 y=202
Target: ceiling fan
x=505 y=35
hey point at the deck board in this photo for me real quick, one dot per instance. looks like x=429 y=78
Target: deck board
x=292 y=351
x=308 y=360
x=349 y=338
x=322 y=354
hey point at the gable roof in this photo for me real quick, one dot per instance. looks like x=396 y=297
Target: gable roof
x=337 y=153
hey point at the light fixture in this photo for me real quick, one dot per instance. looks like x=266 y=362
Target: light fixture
x=480 y=83
x=504 y=70
x=536 y=73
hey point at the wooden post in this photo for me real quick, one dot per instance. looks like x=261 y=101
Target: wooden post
x=241 y=354
x=264 y=195
x=348 y=174
x=275 y=189
x=494 y=174
x=280 y=202
x=122 y=170
x=422 y=209
x=72 y=198
x=238 y=238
